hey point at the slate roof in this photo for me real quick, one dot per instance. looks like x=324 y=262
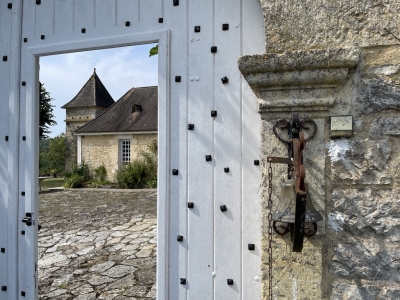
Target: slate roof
x=93 y=93
x=137 y=110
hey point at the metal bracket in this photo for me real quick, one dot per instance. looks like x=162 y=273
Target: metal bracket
x=279 y=160
x=28 y=219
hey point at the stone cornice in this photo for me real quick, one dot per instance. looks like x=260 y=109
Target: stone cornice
x=298 y=80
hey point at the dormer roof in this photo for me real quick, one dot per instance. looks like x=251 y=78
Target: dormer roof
x=93 y=93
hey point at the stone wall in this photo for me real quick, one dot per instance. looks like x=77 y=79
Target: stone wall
x=76 y=118
x=325 y=59
x=103 y=149
x=307 y=24
x=363 y=238
x=354 y=183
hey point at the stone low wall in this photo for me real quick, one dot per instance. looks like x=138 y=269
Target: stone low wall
x=104 y=149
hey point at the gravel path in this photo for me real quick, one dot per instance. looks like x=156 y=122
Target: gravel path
x=97 y=244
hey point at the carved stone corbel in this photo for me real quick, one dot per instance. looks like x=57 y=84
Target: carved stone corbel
x=298 y=80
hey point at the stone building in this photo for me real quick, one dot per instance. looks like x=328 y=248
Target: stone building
x=100 y=131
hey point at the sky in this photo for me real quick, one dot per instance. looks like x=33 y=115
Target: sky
x=119 y=69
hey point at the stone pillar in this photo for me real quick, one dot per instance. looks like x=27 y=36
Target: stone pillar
x=352 y=177
x=357 y=190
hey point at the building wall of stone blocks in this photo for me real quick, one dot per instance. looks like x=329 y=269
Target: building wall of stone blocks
x=76 y=118
x=104 y=150
x=83 y=113
x=354 y=181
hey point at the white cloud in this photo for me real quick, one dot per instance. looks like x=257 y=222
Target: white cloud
x=119 y=69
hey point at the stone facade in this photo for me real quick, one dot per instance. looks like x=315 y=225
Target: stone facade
x=104 y=149
x=306 y=24
x=325 y=59
x=76 y=118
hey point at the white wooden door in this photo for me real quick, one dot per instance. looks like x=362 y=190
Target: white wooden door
x=193 y=163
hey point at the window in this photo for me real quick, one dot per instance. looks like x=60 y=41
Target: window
x=125 y=152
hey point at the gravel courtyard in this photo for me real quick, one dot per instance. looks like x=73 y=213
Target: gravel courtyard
x=97 y=244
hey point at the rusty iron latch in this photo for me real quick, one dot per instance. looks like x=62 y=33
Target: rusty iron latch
x=28 y=219
x=296 y=170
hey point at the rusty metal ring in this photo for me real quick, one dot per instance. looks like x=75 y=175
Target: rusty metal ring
x=312 y=233
x=313 y=132
x=282 y=124
x=277 y=231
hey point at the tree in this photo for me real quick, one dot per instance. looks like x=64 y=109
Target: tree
x=46 y=118
x=52 y=155
x=153 y=51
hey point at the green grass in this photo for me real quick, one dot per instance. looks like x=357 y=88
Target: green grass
x=52 y=183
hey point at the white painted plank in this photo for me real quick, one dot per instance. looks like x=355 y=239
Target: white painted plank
x=84 y=15
x=5 y=38
x=253 y=39
x=164 y=171
x=151 y=10
x=178 y=144
x=23 y=265
x=64 y=16
x=28 y=159
x=200 y=144
x=13 y=163
x=227 y=143
x=106 y=11
x=29 y=152
x=251 y=205
x=253 y=43
x=44 y=18
x=127 y=10
x=98 y=42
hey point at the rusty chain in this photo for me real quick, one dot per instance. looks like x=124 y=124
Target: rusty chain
x=270 y=231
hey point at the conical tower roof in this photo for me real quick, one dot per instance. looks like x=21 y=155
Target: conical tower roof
x=93 y=93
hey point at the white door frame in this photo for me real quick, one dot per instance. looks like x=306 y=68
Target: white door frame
x=31 y=151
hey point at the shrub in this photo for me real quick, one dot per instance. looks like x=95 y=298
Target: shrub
x=82 y=170
x=74 y=181
x=142 y=172
x=150 y=160
x=100 y=173
x=78 y=176
x=132 y=176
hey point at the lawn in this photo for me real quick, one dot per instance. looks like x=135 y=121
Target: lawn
x=52 y=183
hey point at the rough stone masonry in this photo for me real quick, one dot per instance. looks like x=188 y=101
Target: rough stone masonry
x=326 y=59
